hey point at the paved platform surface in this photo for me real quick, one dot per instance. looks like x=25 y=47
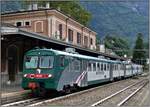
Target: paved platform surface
x=12 y=94
x=5 y=88
x=10 y=90
x=9 y=86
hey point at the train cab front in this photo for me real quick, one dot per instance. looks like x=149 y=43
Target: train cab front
x=38 y=73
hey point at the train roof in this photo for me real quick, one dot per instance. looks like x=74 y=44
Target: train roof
x=57 y=52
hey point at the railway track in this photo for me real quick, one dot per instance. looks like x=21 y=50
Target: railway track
x=15 y=96
x=22 y=102
x=69 y=96
x=122 y=96
x=40 y=101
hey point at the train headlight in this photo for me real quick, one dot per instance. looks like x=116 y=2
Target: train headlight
x=25 y=75
x=49 y=75
x=38 y=70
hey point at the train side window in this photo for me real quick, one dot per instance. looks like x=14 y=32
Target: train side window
x=76 y=65
x=84 y=65
x=98 y=67
x=71 y=67
x=104 y=67
x=114 y=66
x=94 y=66
x=62 y=61
x=108 y=65
x=89 y=66
x=118 y=66
x=121 y=67
x=101 y=66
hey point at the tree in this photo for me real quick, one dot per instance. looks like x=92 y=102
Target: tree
x=118 y=45
x=138 y=51
x=72 y=8
x=146 y=47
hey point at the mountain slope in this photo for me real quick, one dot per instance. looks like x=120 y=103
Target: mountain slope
x=119 y=18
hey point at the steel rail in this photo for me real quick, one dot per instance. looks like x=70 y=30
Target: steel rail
x=132 y=94
x=19 y=102
x=114 y=94
x=73 y=94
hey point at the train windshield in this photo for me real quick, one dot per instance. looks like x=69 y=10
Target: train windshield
x=31 y=62
x=46 y=61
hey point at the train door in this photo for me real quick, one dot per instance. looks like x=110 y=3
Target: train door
x=95 y=75
x=132 y=70
x=137 y=69
x=12 y=62
x=108 y=70
x=128 y=70
x=115 y=71
x=111 y=72
x=84 y=69
x=121 y=70
x=125 y=69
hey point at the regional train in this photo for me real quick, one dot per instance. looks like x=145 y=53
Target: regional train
x=49 y=69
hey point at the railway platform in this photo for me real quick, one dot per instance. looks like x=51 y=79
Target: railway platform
x=12 y=90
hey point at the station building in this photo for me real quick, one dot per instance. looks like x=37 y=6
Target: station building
x=53 y=24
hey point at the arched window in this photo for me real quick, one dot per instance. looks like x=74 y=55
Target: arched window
x=39 y=26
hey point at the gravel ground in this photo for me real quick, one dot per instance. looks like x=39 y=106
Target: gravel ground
x=88 y=98
x=142 y=98
x=118 y=98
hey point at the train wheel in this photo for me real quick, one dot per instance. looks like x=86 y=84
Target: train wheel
x=42 y=92
x=34 y=93
x=67 y=89
x=75 y=88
